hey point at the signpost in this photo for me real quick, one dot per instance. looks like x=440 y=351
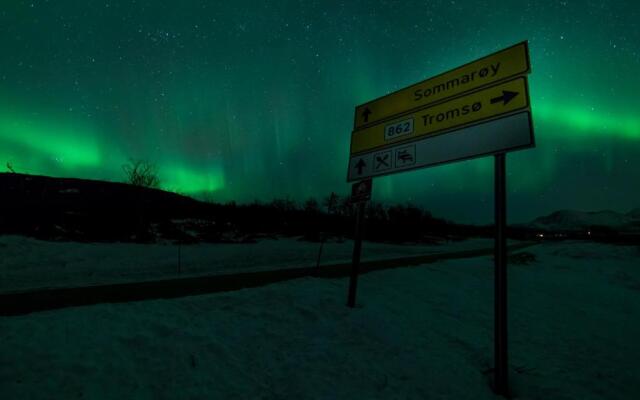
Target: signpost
x=360 y=194
x=501 y=372
x=481 y=108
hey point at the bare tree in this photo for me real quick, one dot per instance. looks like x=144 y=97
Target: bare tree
x=141 y=173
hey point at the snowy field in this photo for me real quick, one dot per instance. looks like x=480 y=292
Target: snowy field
x=417 y=333
x=28 y=263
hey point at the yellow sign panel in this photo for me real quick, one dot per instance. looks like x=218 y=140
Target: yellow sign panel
x=485 y=104
x=504 y=64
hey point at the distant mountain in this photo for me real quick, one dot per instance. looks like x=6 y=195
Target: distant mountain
x=571 y=221
x=634 y=214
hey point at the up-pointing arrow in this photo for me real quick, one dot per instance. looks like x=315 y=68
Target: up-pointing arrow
x=365 y=114
x=506 y=97
x=360 y=165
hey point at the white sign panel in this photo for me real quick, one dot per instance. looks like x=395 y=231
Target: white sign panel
x=506 y=134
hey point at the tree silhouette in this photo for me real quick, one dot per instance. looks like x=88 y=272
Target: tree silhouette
x=141 y=173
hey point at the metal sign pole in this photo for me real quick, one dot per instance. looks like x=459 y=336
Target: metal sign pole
x=501 y=368
x=355 y=263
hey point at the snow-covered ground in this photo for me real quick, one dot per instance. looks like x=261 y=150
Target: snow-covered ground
x=417 y=333
x=27 y=263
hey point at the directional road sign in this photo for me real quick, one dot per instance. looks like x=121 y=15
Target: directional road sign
x=478 y=109
x=499 y=135
x=488 y=103
x=505 y=64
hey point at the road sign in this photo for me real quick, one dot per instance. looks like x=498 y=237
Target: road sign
x=499 y=66
x=488 y=103
x=361 y=191
x=478 y=109
x=509 y=133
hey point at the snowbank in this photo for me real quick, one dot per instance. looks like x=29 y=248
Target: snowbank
x=418 y=333
x=28 y=263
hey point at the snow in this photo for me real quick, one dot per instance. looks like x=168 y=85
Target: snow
x=417 y=333
x=29 y=263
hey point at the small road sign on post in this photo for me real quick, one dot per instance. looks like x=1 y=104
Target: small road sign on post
x=360 y=194
x=481 y=108
x=361 y=191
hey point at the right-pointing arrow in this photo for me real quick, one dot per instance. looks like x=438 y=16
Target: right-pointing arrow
x=506 y=97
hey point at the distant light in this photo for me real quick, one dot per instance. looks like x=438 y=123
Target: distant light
x=540 y=235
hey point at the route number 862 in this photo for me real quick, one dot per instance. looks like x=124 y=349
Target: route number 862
x=397 y=129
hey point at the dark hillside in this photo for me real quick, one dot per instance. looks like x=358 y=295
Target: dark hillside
x=88 y=210
x=80 y=209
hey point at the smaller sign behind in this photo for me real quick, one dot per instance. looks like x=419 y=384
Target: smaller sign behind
x=361 y=191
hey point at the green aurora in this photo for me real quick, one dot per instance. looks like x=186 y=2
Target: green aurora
x=244 y=100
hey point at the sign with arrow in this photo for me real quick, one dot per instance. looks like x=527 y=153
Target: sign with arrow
x=488 y=103
x=494 y=68
x=504 y=134
x=479 y=109
x=361 y=191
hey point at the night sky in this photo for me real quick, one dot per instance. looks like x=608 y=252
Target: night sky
x=243 y=100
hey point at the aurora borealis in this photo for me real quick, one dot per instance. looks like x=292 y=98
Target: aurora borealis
x=249 y=100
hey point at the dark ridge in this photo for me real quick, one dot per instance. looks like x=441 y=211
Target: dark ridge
x=86 y=210
x=70 y=209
